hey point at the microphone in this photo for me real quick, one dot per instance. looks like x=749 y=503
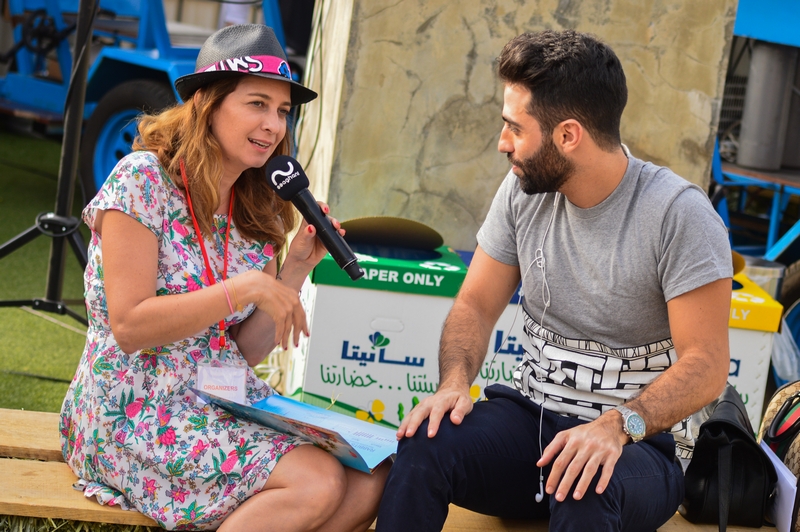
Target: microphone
x=289 y=181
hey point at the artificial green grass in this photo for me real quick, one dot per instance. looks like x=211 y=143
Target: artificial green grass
x=28 y=179
x=37 y=360
x=30 y=344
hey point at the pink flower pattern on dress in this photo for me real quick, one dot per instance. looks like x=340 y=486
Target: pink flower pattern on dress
x=131 y=428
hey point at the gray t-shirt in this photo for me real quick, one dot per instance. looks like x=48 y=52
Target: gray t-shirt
x=610 y=270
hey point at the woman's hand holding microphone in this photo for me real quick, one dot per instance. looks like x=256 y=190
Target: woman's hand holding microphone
x=278 y=297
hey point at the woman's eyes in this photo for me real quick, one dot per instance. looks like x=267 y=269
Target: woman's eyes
x=260 y=104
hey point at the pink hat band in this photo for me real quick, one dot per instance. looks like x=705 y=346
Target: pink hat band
x=242 y=49
x=252 y=64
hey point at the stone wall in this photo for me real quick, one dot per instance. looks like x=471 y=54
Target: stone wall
x=409 y=115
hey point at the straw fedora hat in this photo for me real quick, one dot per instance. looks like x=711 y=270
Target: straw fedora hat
x=242 y=49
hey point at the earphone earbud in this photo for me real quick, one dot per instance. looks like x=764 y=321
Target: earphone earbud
x=540 y=496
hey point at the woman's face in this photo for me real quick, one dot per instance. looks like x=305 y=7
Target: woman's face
x=250 y=123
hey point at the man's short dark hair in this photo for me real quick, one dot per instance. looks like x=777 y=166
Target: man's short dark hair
x=570 y=75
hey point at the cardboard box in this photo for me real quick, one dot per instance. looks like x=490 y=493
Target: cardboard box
x=374 y=342
x=755 y=316
x=373 y=349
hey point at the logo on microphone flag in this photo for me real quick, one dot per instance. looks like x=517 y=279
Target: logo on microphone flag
x=288 y=174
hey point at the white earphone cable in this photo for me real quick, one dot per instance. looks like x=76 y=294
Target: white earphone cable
x=541 y=263
x=539 y=260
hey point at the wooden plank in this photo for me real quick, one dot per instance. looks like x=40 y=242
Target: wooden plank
x=461 y=520
x=28 y=434
x=44 y=489
x=679 y=524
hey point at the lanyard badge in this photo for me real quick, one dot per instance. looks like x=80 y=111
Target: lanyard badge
x=224 y=380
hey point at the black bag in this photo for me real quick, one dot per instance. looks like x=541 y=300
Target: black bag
x=730 y=480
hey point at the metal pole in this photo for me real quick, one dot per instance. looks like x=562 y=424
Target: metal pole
x=73 y=123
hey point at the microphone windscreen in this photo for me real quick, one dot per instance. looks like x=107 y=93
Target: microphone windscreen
x=286 y=177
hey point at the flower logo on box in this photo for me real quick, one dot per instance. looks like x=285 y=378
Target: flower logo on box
x=378 y=340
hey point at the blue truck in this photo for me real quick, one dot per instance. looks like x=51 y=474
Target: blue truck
x=134 y=69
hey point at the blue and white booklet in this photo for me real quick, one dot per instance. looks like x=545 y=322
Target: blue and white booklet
x=357 y=444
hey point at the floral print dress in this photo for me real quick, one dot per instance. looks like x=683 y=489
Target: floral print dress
x=131 y=428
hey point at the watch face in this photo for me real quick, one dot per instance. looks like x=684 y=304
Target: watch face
x=635 y=424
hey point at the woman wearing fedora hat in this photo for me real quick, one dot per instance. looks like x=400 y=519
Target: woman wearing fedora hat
x=182 y=292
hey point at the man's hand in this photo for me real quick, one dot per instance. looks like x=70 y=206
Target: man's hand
x=483 y=297
x=698 y=321
x=581 y=451
x=453 y=399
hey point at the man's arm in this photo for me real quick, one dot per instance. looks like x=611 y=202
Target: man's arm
x=484 y=294
x=699 y=326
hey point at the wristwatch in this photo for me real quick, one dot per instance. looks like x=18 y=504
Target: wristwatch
x=632 y=423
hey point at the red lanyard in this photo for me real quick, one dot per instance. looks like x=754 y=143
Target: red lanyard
x=211 y=279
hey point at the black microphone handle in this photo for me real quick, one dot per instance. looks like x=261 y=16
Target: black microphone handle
x=331 y=239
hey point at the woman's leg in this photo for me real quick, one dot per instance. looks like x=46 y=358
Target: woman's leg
x=303 y=493
x=361 y=501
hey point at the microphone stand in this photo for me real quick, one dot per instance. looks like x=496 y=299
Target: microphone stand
x=60 y=225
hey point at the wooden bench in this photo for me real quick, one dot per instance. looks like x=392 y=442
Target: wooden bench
x=35 y=482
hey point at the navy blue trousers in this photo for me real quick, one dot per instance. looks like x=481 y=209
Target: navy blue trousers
x=488 y=465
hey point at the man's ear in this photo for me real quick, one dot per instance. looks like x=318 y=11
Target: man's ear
x=568 y=135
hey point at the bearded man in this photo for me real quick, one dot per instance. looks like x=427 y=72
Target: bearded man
x=626 y=275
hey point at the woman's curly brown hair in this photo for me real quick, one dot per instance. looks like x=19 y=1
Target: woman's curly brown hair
x=182 y=132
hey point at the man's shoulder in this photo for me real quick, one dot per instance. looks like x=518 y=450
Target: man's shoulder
x=658 y=175
x=660 y=184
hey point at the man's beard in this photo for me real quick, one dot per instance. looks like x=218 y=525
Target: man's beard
x=544 y=171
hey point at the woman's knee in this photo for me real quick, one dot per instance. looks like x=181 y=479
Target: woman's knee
x=323 y=477
x=316 y=476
